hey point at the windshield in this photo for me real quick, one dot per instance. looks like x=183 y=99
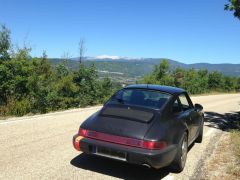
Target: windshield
x=140 y=97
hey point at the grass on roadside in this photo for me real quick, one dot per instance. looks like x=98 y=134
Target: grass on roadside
x=234 y=169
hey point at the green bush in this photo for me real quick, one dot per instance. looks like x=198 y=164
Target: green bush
x=32 y=85
x=194 y=81
x=19 y=108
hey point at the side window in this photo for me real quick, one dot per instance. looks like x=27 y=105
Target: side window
x=126 y=95
x=184 y=102
x=176 y=107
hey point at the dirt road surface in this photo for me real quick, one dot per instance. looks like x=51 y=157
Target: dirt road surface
x=40 y=147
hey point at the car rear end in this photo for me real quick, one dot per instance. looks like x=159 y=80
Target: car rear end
x=154 y=154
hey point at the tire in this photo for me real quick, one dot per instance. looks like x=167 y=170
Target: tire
x=200 y=135
x=181 y=156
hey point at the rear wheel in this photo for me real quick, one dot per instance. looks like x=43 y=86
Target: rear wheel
x=181 y=156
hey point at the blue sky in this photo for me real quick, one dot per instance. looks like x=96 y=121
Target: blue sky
x=187 y=31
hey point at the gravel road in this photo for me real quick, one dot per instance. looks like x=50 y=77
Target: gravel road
x=40 y=147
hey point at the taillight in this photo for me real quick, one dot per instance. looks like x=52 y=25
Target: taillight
x=76 y=142
x=151 y=145
x=154 y=144
x=82 y=132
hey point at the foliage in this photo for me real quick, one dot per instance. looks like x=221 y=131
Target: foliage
x=194 y=81
x=4 y=43
x=32 y=85
x=234 y=5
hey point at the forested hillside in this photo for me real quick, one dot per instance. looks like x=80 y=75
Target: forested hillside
x=139 y=67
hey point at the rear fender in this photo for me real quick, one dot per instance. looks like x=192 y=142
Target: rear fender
x=179 y=134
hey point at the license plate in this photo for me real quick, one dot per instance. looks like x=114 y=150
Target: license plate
x=110 y=153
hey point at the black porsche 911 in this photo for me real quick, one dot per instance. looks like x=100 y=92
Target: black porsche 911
x=149 y=125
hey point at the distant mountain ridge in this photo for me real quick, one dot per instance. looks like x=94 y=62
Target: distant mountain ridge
x=137 y=67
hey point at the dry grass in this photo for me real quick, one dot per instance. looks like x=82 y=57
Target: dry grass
x=235 y=143
x=225 y=161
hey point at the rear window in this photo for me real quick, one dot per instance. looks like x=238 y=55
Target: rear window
x=140 y=97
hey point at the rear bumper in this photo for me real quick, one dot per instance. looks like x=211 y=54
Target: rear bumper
x=153 y=158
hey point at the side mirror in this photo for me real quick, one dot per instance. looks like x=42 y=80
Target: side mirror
x=198 y=107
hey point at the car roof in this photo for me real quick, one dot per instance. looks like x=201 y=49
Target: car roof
x=167 y=89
